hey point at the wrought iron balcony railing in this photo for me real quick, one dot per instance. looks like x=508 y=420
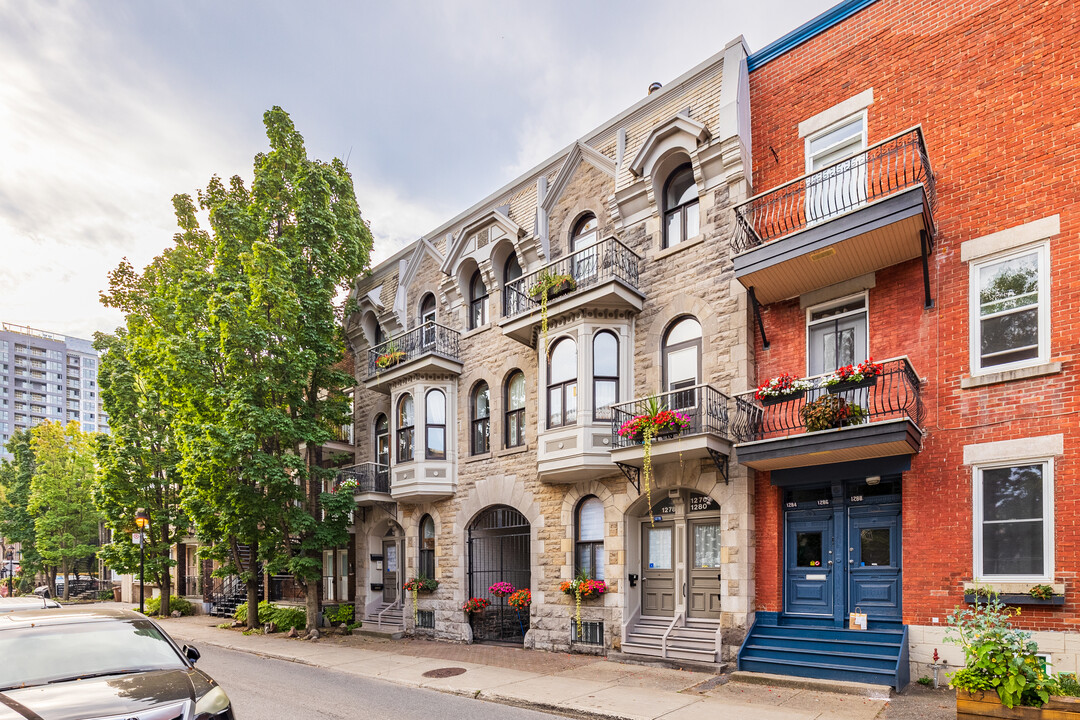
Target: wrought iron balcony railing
x=427 y=339
x=705 y=407
x=596 y=264
x=370 y=477
x=892 y=395
x=883 y=169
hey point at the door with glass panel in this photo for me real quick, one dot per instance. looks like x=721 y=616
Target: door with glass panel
x=382 y=454
x=682 y=364
x=835 y=157
x=583 y=246
x=837 y=335
x=658 y=569
x=874 y=560
x=390 y=570
x=703 y=598
x=808 y=563
x=343 y=575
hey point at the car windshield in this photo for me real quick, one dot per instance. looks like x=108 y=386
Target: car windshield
x=53 y=653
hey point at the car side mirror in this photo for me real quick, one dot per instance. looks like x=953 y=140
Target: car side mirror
x=192 y=654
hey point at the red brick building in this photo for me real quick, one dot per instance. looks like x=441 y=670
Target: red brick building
x=915 y=182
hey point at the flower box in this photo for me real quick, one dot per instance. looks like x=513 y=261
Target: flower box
x=767 y=400
x=390 y=359
x=986 y=704
x=1016 y=599
x=851 y=385
x=556 y=286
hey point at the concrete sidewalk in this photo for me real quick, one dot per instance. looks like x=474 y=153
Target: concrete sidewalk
x=555 y=682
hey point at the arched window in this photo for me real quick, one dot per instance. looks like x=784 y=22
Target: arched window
x=435 y=425
x=680 y=207
x=605 y=364
x=427 y=320
x=585 y=233
x=382 y=440
x=478 y=297
x=589 y=540
x=515 y=409
x=481 y=419
x=406 y=422
x=513 y=295
x=682 y=361
x=562 y=383
x=427 y=547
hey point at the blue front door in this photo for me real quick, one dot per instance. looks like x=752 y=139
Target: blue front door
x=809 y=568
x=874 y=560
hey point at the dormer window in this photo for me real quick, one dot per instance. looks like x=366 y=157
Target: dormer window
x=427 y=319
x=681 y=220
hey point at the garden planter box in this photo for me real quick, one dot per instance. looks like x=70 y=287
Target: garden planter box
x=767 y=400
x=1018 y=599
x=557 y=290
x=987 y=705
x=852 y=385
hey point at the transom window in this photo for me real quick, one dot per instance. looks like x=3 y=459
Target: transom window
x=478 y=297
x=1014 y=521
x=562 y=383
x=681 y=221
x=836 y=335
x=481 y=419
x=406 y=424
x=605 y=374
x=589 y=550
x=515 y=409
x=435 y=425
x=1010 y=323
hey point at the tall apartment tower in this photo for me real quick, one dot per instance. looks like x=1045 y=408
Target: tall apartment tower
x=47 y=376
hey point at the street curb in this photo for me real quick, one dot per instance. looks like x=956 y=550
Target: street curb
x=842 y=687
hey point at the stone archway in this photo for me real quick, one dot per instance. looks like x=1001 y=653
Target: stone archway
x=498 y=550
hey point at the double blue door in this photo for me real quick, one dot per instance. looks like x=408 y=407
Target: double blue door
x=843 y=557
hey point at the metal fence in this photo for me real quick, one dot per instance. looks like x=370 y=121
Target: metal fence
x=592 y=632
x=591 y=266
x=704 y=406
x=498 y=550
x=427 y=339
x=883 y=169
x=368 y=476
x=892 y=395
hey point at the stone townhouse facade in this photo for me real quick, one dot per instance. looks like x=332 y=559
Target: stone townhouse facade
x=914 y=171
x=496 y=358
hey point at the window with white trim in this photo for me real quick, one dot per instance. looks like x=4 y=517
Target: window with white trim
x=836 y=334
x=842 y=186
x=1013 y=512
x=1010 y=320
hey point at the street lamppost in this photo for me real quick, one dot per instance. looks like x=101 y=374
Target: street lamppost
x=143 y=521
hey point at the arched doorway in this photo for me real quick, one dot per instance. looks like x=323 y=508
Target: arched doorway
x=498 y=542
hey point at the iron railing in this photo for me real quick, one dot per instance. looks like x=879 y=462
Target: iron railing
x=591 y=266
x=892 y=395
x=368 y=476
x=427 y=339
x=703 y=405
x=883 y=169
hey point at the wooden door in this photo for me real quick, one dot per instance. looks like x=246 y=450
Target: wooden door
x=390 y=570
x=658 y=569
x=703 y=599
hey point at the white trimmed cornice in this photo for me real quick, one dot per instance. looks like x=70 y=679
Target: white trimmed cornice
x=492 y=217
x=680 y=131
x=579 y=152
x=405 y=278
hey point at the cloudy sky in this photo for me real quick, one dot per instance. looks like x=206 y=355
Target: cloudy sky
x=107 y=109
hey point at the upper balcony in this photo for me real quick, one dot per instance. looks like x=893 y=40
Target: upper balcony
x=428 y=348
x=372 y=482
x=880 y=416
x=703 y=413
x=604 y=275
x=856 y=216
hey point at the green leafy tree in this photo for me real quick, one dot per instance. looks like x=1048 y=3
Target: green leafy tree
x=137 y=461
x=65 y=520
x=250 y=338
x=16 y=521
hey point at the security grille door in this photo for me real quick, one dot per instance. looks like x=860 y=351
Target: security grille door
x=499 y=552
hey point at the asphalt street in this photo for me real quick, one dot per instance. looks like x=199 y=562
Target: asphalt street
x=265 y=688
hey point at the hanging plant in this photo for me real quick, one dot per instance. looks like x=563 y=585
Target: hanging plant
x=520 y=600
x=501 y=589
x=582 y=588
x=550 y=285
x=657 y=420
x=419 y=585
x=831 y=411
x=475 y=605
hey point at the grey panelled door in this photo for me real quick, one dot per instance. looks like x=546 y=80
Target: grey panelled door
x=704 y=594
x=658 y=569
x=390 y=570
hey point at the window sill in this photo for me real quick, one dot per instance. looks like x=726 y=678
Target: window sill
x=478 y=458
x=476 y=330
x=696 y=240
x=1024 y=373
x=1013 y=587
x=512 y=451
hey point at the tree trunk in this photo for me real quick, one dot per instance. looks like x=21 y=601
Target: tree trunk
x=50 y=579
x=312 y=590
x=67 y=581
x=253 y=602
x=165 y=582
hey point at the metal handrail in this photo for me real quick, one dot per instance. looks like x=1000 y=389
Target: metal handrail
x=392 y=606
x=883 y=169
x=675 y=621
x=892 y=395
x=703 y=405
x=607 y=259
x=369 y=477
x=429 y=338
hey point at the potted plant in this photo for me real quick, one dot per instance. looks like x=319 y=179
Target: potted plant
x=780 y=388
x=475 y=605
x=656 y=421
x=417 y=585
x=583 y=588
x=1041 y=592
x=852 y=377
x=389 y=357
x=831 y=411
x=520 y=600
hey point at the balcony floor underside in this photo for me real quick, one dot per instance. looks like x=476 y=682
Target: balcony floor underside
x=857 y=442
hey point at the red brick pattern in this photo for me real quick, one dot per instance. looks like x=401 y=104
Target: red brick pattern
x=995 y=87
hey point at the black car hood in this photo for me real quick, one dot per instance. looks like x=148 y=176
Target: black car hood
x=129 y=696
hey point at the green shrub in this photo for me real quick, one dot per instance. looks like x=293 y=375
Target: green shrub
x=266 y=612
x=153 y=605
x=290 y=617
x=1068 y=685
x=340 y=614
x=105 y=595
x=925 y=681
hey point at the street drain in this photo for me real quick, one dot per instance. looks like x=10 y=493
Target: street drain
x=444 y=672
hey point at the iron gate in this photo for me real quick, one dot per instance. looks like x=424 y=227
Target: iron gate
x=499 y=552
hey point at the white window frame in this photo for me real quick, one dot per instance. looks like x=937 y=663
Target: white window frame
x=833 y=303
x=860 y=115
x=1048 y=521
x=1042 y=249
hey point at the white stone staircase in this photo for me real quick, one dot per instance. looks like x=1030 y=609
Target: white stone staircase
x=384 y=620
x=674 y=639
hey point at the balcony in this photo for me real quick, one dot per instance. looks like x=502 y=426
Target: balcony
x=706 y=436
x=422 y=480
x=859 y=215
x=430 y=348
x=372 y=482
x=604 y=275
x=774 y=434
